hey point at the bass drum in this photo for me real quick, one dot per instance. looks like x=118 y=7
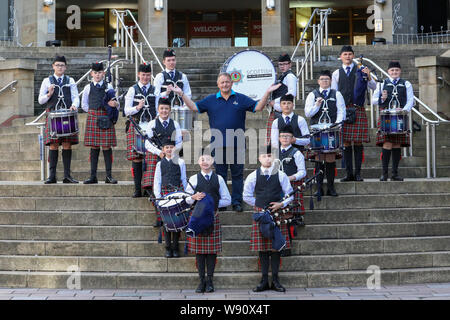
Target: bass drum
x=252 y=72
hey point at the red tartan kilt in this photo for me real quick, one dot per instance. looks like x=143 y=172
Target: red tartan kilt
x=269 y=126
x=96 y=137
x=402 y=139
x=259 y=243
x=359 y=130
x=298 y=198
x=48 y=140
x=131 y=155
x=207 y=244
x=149 y=174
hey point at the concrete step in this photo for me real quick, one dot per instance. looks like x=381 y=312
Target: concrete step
x=241 y=280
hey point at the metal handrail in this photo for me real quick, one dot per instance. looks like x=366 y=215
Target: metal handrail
x=10 y=86
x=304 y=30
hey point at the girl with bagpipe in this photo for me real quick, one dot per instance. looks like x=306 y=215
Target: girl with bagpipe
x=98 y=99
x=207 y=244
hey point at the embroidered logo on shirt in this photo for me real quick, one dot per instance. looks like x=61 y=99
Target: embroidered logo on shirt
x=235 y=103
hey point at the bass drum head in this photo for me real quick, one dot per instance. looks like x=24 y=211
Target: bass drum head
x=252 y=72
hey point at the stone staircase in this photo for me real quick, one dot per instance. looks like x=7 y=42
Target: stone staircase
x=401 y=227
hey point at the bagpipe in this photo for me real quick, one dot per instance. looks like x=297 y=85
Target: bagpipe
x=110 y=94
x=155 y=139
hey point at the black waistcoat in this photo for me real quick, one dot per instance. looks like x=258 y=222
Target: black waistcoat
x=167 y=132
x=212 y=187
x=267 y=191
x=346 y=85
x=289 y=166
x=170 y=173
x=401 y=92
x=97 y=96
x=284 y=75
x=67 y=96
x=168 y=80
x=332 y=107
x=150 y=97
x=293 y=123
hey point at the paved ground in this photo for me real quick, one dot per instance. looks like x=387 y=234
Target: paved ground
x=435 y=291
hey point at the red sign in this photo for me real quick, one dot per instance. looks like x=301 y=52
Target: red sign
x=256 y=28
x=210 y=29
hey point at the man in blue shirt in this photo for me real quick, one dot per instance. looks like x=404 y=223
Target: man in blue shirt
x=226 y=111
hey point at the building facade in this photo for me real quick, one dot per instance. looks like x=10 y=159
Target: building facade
x=203 y=23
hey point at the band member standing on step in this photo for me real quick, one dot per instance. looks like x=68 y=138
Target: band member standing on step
x=288 y=78
x=93 y=102
x=165 y=128
x=170 y=176
x=206 y=247
x=325 y=105
x=344 y=80
x=264 y=187
x=140 y=104
x=170 y=76
x=49 y=94
x=399 y=92
x=289 y=118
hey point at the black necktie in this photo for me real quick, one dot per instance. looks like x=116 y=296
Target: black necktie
x=165 y=124
x=207 y=178
x=325 y=93
x=172 y=74
x=394 y=82
x=348 y=71
x=266 y=174
x=98 y=85
x=59 y=81
x=144 y=90
x=288 y=120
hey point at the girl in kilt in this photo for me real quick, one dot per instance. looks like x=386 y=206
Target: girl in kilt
x=93 y=102
x=170 y=176
x=395 y=92
x=265 y=187
x=206 y=247
x=139 y=104
x=49 y=93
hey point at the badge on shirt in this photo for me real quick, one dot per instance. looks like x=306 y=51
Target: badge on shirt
x=235 y=103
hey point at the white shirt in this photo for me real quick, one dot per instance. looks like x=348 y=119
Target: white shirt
x=409 y=95
x=225 y=198
x=178 y=136
x=159 y=80
x=85 y=94
x=250 y=183
x=274 y=134
x=299 y=162
x=335 y=78
x=43 y=98
x=129 y=99
x=311 y=108
x=291 y=82
x=157 y=180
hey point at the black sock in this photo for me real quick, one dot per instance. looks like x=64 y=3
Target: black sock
x=275 y=263
x=320 y=166
x=107 y=155
x=358 y=158
x=396 y=156
x=137 y=169
x=94 y=161
x=330 y=172
x=175 y=239
x=53 y=159
x=348 y=159
x=67 y=158
x=385 y=158
x=210 y=264
x=168 y=240
x=264 y=260
x=201 y=258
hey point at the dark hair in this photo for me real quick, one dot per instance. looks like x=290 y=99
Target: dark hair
x=325 y=73
x=164 y=101
x=145 y=68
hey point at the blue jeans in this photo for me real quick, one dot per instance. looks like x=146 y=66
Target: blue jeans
x=237 y=176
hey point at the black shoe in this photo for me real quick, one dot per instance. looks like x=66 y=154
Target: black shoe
x=223 y=209
x=169 y=253
x=348 y=178
x=384 y=178
x=69 y=179
x=175 y=253
x=286 y=253
x=276 y=285
x=237 y=207
x=50 y=180
x=110 y=180
x=301 y=221
x=331 y=192
x=319 y=193
x=157 y=224
x=396 y=178
x=201 y=287
x=358 y=178
x=263 y=286
x=137 y=194
x=209 y=285
x=91 y=180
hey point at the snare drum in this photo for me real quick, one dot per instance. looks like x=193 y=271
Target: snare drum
x=139 y=141
x=252 y=72
x=62 y=123
x=326 y=141
x=174 y=211
x=394 y=121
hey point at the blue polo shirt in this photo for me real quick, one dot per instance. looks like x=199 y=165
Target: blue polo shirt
x=226 y=114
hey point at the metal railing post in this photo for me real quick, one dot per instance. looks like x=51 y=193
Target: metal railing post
x=122 y=33
x=314 y=47
x=371 y=109
x=297 y=69
x=136 y=62
x=117 y=30
x=126 y=45
x=326 y=30
x=142 y=56
x=311 y=60
x=321 y=22
x=303 y=82
x=42 y=151
x=319 y=45
x=433 y=148
x=410 y=125
x=427 y=131
x=306 y=60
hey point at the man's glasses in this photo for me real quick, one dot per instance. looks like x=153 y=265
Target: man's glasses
x=59 y=65
x=283 y=64
x=324 y=79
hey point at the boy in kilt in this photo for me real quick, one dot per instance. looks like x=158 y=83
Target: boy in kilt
x=170 y=176
x=140 y=104
x=165 y=128
x=52 y=88
x=325 y=105
x=288 y=78
x=206 y=247
x=93 y=102
x=344 y=80
x=395 y=92
x=266 y=187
